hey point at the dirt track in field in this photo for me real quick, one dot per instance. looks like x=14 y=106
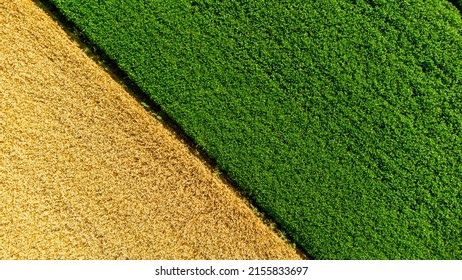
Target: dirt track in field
x=87 y=173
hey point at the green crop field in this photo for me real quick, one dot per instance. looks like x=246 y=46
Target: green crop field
x=341 y=119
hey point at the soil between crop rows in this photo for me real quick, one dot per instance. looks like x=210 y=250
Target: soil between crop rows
x=87 y=173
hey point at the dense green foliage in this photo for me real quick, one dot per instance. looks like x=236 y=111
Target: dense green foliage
x=341 y=119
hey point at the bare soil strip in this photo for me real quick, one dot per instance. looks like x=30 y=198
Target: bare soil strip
x=87 y=173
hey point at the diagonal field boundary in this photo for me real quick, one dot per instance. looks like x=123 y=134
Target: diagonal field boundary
x=339 y=119
x=87 y=173
x=111 y=66
x=457 y=3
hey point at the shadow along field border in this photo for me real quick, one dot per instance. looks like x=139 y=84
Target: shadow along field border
x=111 y=67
